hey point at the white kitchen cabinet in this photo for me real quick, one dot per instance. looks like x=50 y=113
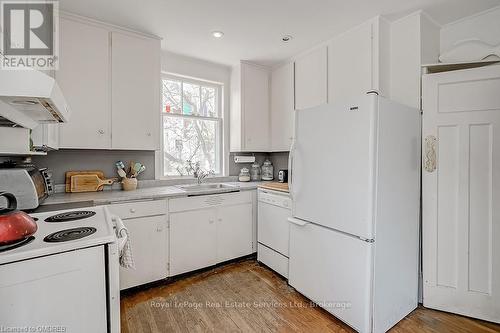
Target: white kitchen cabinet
x=234 y=231
x=282 y=108
x=147 y=227
x=210 y=229
x=311 y=79
x=358 y=61
x=193 y=242
x=249 y=114
x=149 y=249
x=84 y=78
x=135 y=92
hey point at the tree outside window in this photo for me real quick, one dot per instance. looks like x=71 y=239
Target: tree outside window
x=192 y=125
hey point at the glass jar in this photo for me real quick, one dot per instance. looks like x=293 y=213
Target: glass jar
x=244 y=175
x=255 y=172
x=267 y=170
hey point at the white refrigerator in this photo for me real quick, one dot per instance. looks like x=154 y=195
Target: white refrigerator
x=354 y=234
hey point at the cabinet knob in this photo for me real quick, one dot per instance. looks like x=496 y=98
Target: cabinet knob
x=211 y=221
x=132 y=210
x=148 y=134
x=101 y=131
x=220 y=220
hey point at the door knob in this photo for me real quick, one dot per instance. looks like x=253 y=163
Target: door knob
x=430 y=153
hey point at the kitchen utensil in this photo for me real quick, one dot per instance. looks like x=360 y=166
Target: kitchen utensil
x=70 y=174
x=141 y=170
x=120 y=165
x=129 y=184
x=14 y=225
x=89 y=183
x=122 y=173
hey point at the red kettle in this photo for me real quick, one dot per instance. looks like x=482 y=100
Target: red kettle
x=14 y=225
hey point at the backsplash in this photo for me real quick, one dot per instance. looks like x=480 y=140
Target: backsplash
x=64 y=160
x=279 y=160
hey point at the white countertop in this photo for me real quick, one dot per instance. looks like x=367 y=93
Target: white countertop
x=147 y=193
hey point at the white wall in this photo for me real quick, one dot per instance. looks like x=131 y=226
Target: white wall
x=484 y=26
x=173 y=63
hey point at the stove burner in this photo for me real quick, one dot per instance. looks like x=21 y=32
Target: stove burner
x=69 y=234
x=17 y=244
x=70 y=216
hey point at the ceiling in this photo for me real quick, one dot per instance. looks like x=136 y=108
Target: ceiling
x=253 y=29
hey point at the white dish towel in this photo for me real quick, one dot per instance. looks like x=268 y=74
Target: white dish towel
x=124 y=244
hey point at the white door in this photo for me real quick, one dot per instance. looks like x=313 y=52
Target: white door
x=282 y=110
x=135 y=92
x=334 y=149
x=311 y=79
x=255 y=103
x=192 y=240
x=84 y=78
x=333 y=270
x=148 y=237
x=234 y=231
x=461 y=221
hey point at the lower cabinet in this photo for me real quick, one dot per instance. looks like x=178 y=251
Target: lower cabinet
x=210 y=229
x=192 y=240
x=147 y=227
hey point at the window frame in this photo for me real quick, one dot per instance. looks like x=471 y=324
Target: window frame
x=219 y=88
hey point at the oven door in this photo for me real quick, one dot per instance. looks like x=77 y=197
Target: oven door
x=65 y=291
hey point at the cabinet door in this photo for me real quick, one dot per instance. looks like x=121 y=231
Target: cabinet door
x=83 y=76
x=135 y=92
x=148 y=237
x=282 y=110
x=255 y=106
x=311 y=79
x=234 y=231
x=192 y=240
x=350 y=64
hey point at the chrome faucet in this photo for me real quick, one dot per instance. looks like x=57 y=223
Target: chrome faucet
x=198 y=172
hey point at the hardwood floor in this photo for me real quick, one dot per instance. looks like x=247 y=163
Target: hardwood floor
x=248 y=297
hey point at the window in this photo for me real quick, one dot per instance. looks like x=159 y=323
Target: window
x=192 y=125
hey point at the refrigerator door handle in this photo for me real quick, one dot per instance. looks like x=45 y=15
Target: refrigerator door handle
x=297 y=221
x=290 y=169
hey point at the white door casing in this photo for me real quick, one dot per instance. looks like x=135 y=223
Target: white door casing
x=461 y=189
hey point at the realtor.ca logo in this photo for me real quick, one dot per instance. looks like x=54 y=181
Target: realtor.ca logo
x=29 y=31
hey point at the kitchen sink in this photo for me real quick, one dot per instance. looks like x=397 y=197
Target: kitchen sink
x=209 y=186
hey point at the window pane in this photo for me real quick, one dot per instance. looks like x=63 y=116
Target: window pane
x=208 y=100
x=171 y=96
x=190 y=139
x=191 y=94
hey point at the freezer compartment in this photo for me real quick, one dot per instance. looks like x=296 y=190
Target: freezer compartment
x=334 y=270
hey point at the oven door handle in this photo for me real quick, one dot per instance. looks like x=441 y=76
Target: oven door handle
x=121 y=232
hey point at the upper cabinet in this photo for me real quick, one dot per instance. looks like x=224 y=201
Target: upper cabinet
x=311 y=81
x=282 y=108
x=135 y=92
x=358 y=61
x=83 y=76
x=249 y=116
x=111 y=80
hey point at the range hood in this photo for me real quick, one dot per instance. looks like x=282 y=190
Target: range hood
x=29 y=97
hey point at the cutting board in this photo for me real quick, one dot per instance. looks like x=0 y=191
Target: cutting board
x=88 y=183
x=70 y=174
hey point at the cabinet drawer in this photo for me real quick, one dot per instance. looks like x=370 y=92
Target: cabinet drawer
x=135 y=209
x=213 y=200
x=273 y=260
